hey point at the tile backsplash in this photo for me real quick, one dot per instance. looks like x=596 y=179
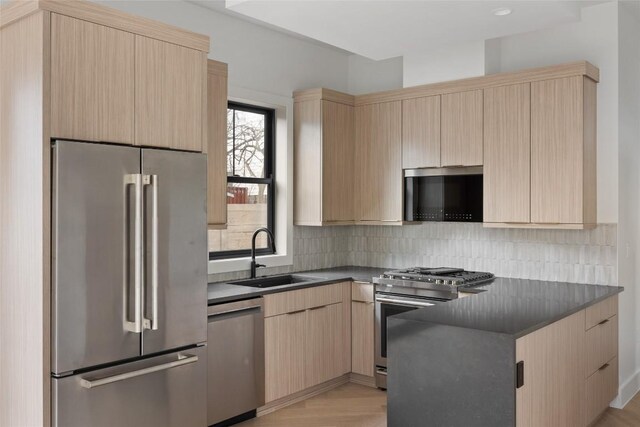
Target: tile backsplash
x=583 y=256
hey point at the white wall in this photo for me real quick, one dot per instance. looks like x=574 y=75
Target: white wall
x=447 y=63
x=259 y=58
x=366 y=75
x=629 y=229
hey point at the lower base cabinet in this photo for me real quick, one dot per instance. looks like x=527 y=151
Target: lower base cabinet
x=362 y=329
x=306 y=345
x=570 y=369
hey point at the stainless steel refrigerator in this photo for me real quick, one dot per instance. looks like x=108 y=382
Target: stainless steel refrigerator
x=129 y=299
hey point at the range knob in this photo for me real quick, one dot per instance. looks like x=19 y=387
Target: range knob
x=439 y=281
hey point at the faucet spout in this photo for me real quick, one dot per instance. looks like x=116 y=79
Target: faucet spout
x=254 y=266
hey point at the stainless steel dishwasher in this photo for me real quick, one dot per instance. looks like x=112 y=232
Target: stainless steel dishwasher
x=235 y=361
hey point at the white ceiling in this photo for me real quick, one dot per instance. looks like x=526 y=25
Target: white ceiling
x=385 y=29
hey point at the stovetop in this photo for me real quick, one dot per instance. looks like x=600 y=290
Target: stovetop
x=452 y=277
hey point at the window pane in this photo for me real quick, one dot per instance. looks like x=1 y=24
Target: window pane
x=248 y=144
x=230 y=141
x=247 y=211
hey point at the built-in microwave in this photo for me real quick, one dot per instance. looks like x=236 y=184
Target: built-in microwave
x=443 y=194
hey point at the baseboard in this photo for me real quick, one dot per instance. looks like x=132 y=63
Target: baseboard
x=302 y=395
x=362 y=379
x=627 y=391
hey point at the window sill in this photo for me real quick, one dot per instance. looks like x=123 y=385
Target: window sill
x=239 y=264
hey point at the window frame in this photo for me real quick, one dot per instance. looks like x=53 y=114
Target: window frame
x=269 y=165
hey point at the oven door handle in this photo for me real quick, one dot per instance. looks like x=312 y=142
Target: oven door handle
x=411 y=303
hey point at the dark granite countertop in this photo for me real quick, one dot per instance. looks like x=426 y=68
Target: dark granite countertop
x=513 y=307
x=224 y=292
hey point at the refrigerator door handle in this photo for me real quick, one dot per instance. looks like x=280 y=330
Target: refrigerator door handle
x=136 y=325
x=152 y=323
x=183 y=359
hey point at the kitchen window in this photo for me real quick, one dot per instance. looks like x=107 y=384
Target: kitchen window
x=250 y=184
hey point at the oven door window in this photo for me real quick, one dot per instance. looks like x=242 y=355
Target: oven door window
x=385 y=311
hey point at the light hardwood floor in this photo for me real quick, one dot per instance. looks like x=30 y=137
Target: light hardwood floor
x=353 y=405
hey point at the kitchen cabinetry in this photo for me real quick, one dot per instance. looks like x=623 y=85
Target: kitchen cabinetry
x=170 y=95
x=324 y=155
x=216 y=144
x=115 y=86
x=462 y=129
x=421 y=132
x=92 y=81
x=362 y=329
x=563 y=151
x=507 y=154
x=570 y=375
x=305 y=339
x=379 y=186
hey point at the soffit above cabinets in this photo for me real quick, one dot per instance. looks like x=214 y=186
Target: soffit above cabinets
x=386 y=29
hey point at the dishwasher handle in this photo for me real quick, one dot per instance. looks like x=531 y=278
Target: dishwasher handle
x=252 y=306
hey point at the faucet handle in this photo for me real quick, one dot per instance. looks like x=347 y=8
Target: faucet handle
x=260 y=265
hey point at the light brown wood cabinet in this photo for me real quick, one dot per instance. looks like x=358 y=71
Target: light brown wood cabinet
x=507 y=154
x=421 y=132
x=92 y=81
x=379 y=187
x=217 y=144
x=461 y=143
x=570 y=369
x=563 y=151
x=115 y=86
x=362 y=329
x=170 y=95
x=307 y=338
x=323 y=158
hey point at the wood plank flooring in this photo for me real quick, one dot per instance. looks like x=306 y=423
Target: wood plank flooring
x=353 y=405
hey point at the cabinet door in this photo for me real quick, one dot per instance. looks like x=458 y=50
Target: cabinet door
x=217 y=144
x=362 y=332
x=421 y=132
x=553 y=390
x=462 y=129
x=507 y=154
x=307 y=163
x=379 y=161
x=324 y=345
x=92 y=69
x=337 y=162
x=285 y=362
x=169 y=95
x=556 y=151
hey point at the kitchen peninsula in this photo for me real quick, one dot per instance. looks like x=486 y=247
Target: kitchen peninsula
x=521 y=352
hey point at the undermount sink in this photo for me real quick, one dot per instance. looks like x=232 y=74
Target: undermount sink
x=270 y=281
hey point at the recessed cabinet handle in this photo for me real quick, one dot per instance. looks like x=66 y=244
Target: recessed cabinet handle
x=603 y=367
x=603 y=322
x=296 y=312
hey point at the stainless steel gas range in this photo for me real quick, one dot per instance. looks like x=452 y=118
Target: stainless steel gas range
x=398 y=291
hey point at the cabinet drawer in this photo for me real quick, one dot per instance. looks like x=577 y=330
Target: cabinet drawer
x=602 y=344
x=362 y=291
x=601 y=311
x=601 y=389
x=323 y=295
x=302 y=299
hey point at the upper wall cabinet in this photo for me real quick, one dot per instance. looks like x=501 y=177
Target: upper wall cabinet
x=379 y=188
x=92 y=81
x=421 y=132
x=507 y=154
x=170 y=95
x=217 y=144
x=462 y=129
x=323 y=158
x=563 y=151
x=111 y=85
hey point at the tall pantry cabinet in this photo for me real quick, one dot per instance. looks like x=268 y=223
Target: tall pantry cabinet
x=74 y=70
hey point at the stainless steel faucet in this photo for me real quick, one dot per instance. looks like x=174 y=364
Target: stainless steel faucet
x=254 y=266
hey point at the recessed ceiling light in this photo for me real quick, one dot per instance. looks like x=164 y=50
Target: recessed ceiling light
x=501 y=11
